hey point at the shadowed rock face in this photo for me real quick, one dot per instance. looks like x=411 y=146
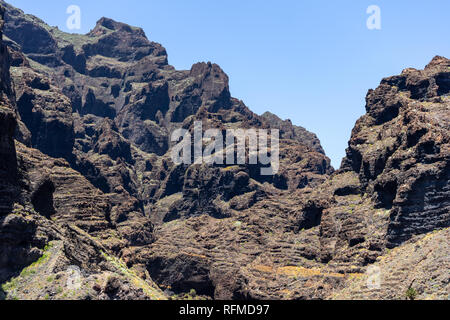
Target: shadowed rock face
x=43 y=201
x=400 y=150
x=108 y=101
x=391 y=190
x=8 y=163
x=90 y=171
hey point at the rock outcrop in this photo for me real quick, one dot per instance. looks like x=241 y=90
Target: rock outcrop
x=52 y=219
x=88 y=186
x=315 y=241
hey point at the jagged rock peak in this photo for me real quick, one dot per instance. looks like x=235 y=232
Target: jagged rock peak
x=96 y=175
x=290 y=131
x=439 y=61
x=112 y=25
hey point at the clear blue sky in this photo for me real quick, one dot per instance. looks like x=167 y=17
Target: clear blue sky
x=310 y=61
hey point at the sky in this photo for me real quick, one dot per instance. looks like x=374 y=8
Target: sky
x=309 y=61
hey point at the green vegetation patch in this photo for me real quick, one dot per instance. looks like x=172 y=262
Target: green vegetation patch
x=133 y=278
x=10 y=286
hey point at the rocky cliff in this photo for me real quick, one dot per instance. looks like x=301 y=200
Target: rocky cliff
x=88 y=181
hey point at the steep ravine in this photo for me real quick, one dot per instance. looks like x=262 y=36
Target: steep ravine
x=87 y=181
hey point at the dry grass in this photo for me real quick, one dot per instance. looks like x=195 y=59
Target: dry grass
x=301 y=272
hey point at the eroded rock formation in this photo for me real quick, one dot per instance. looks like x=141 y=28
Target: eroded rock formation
x=87 y=180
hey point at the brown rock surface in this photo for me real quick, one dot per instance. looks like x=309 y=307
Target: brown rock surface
x=311 y=243
x=90 y=173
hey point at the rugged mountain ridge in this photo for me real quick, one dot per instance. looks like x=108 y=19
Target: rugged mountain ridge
x=37 y=247
x=87 y=123
x=125 y=100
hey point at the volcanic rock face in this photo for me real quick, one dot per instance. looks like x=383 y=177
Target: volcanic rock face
x=8 y=164
x=400 y=150
x=85 y=148
x=45 y=205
